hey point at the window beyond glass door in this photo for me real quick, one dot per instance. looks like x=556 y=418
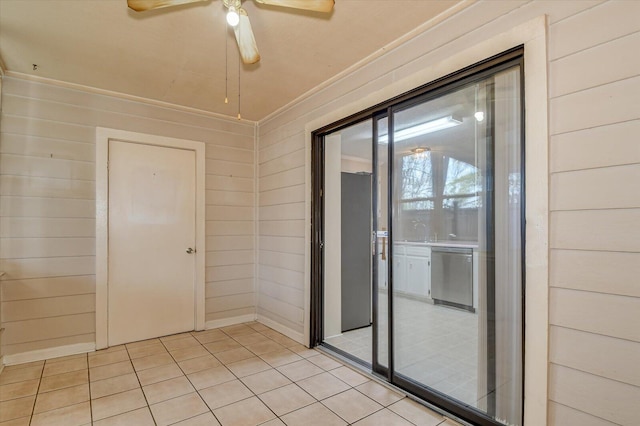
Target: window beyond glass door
x=456 y=244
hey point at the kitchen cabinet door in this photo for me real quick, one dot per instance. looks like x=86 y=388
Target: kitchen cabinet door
x=400 y=273
x=418 y=275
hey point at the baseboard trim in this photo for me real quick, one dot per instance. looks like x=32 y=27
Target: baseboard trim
x=298 y=337
x=224 y=322
x=42 y=354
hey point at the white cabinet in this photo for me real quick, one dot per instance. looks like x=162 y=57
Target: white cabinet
x=418 y=275
x=412 y=270
x=399 y=269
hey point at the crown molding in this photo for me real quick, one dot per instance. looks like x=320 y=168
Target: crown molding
x=120 y=95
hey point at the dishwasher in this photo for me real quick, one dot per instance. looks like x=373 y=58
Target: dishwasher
x=452 y=277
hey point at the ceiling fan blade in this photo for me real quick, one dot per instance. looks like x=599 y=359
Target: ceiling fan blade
x=245 y=39
x=142 y=5
x=315 y=5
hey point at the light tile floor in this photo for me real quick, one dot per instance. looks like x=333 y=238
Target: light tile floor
x=435 y=345
x=242 y=375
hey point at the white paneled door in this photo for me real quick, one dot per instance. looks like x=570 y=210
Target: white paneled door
x=151 y=237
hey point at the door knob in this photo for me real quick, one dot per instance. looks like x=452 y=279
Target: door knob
x=190 y=250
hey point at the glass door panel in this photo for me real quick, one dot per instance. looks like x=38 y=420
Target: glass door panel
x=348 y=236
x=457 y=285
x=421 y=244
x=382 y=257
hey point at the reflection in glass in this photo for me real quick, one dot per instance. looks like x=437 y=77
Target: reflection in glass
x=457 y=283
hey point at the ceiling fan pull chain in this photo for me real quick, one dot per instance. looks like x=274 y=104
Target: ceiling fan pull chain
x=239 y=60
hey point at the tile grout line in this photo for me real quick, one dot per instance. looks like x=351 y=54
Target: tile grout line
x=189 y=380
x=89 y=385
x=254 y=356
x=37 y=393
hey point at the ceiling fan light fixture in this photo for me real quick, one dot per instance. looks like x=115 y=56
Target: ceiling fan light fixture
x=233 y=18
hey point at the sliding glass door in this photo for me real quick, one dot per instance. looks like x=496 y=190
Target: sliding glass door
x=419 y=230
x=457 y=288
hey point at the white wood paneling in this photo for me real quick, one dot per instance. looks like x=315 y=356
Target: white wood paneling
x=44 y=348
x=232 y=302
x=47 y=287
x=21 y=310
x=282 y=211
x=231 y=287
x=615 y=102
x=282 y=244
x=294 y=297
x=614 y=145
x=26 y=186
x=226 y=168
x=48 y=328
x=229 y=198
x=38 y=227
x=33 y=127
x=606 y=314
x=47 y=205
x=280 y=149
x=595 y=26
x=282 y=276
x=574 y=190
x=20 y=269
x=293 y=176
x=229 y=183
x=221 y=243
x=596 y=354
x=614 y=401
x=293 y=262
x=22 y=165
x=284 y=228
x=34 y=146
x=20 y=206
x=561 y=415
x=286 y=162
x=607 y=230
x=228 y=272
x=223 y=212
x=576 y=72
x=595 y=158
x=610 y=272
x=283 y=195
x=231 y=257
x=229 y=227
x=21 y=248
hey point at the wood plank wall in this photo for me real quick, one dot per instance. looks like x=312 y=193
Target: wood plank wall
x=595 y=216
x=47 y=208
x=594 y=93
x=281 y=213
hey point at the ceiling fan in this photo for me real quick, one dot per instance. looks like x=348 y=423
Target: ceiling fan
x=237 y=17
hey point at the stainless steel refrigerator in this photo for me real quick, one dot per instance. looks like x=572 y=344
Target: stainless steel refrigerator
x=356 y=250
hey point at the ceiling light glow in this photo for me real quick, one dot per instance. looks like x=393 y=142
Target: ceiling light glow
x=232 y=17
x=479 y=115
x=422 y=129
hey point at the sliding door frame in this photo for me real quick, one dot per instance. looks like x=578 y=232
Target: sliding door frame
x=437 y=88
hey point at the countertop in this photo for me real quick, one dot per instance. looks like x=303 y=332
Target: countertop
x=460 y=244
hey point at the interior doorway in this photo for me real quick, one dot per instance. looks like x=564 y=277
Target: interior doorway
x=149 y=237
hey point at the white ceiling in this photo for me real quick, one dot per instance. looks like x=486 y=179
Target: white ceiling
x=177 y=55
